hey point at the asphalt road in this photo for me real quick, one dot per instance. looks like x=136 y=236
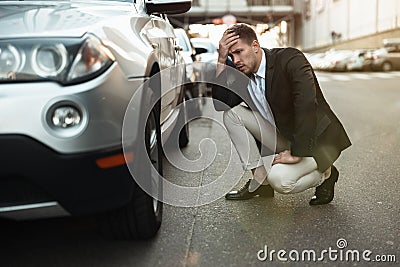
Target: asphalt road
x=364 y=216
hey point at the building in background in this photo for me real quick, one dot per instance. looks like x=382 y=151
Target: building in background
x=276 y=16
x=346 y=24
x=251 y=11
x=311 y=25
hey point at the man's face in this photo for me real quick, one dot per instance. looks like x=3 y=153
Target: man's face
x=245 y=56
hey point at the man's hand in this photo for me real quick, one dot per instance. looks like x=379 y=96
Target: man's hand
x=228 y=39
x=286 y=158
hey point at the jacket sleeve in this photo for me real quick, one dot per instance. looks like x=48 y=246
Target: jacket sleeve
x=226 y=89
x=303 y=86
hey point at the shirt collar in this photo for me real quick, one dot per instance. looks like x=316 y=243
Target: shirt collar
x=261 y=69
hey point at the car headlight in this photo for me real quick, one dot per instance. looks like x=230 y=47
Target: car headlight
x=67 y=60
x=92 y=57
x=11 y=60
x=49 y=60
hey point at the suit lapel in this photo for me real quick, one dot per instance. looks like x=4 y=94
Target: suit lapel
x=269 y=72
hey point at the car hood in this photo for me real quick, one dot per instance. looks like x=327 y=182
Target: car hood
x=57 y=18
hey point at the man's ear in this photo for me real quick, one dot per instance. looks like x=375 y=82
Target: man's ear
x=256 y=46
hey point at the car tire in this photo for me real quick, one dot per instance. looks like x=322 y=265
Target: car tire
x=141 y=217
x=386 y=66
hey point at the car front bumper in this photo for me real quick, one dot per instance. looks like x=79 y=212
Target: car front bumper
x=40 y=164
x=32 y=173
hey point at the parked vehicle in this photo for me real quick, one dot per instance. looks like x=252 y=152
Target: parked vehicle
x=337 y=60
x=385 y=59
x=68 y=70
x=359 y=60
x=316 y=60
x=393 y=43
x=205 y=49
x=189 y=54
x=207 y=54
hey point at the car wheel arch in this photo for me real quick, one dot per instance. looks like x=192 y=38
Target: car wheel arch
x=141 y=217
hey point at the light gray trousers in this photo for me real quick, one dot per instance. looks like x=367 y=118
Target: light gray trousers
x=243 y=126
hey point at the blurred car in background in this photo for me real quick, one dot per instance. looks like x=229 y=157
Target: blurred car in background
x=393 y=43
x=206 y=53
x=316 y=60
x=68 y=70
x=192 y=89
x=354 y=60
x=336 y=60
x=359 y=60
x=385 y=59
x=188 y=52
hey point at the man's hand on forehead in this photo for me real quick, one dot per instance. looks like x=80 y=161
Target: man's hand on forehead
x=229 y=38
x=230 y=32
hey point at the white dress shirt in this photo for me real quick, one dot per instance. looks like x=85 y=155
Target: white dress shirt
x=256 y=90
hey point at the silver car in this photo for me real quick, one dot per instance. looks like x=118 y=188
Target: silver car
x=68 y=70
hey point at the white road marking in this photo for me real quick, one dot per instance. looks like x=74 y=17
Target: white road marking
x=329 y=77
x=360 y=76
x=341 y=77
x=381 y=75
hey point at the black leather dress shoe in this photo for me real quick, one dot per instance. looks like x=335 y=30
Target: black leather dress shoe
x=243 y=193
x=326 y=191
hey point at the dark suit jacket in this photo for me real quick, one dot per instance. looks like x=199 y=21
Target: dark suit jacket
x=300 y=110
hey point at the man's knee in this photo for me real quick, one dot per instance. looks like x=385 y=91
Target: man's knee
x=280 y=182
x=231 y=117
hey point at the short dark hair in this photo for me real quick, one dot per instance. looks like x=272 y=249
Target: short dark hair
x=245 y=32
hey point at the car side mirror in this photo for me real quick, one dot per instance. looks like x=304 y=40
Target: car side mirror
x=200 y=50
x=167 y=6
